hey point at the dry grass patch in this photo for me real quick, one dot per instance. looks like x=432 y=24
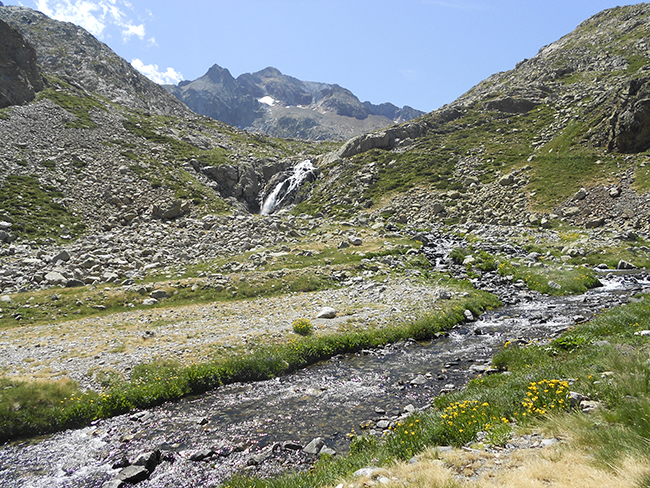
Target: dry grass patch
x=556 y=467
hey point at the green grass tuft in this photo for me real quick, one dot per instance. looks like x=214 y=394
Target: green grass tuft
x=34 y=210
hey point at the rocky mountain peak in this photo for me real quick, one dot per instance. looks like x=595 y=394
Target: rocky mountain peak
x=281 y=105
x=217 y=74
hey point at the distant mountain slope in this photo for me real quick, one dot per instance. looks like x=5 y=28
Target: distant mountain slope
x=284 y=106
x=73 y=55
x=100 y=146
x=562 y=136
x=518 y=147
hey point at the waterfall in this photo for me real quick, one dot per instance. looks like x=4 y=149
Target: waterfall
x=286 y=188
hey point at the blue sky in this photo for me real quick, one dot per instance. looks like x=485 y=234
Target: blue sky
x=422 y=53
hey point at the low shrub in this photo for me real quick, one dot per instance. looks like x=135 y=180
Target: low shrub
x=302 y=326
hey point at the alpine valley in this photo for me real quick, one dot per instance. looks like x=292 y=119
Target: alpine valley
x=207 y=284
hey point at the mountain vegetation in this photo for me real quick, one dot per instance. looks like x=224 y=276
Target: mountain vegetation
x=136 y=268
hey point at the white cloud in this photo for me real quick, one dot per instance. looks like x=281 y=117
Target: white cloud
x=134 y=30
x=151 y=71
x=94 y=15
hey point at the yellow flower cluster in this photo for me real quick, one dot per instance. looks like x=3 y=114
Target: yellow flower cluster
x=546 y=395
x=302 y=326
x=469 y=417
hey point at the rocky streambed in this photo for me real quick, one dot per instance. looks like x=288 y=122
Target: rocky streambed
x=284 y=423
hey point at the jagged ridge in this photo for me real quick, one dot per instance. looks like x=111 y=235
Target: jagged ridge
x=284 y=106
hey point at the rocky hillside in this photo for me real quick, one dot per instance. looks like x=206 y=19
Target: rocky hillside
x=562 y=136
x=282 y=106
x=106 y=154
x=71 y=54
x=102 y=146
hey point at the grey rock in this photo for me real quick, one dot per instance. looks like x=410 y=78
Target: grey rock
x=469 y=316
x=622 y=264
x=315 y=446
x=383 y=424
x=444 y=294
x=61 y=256
x=571 y=211
x=419 y=380
x=580 y=194
x=366 y=472
x=159 y=294
x=114 y=484
x=355 y=240
x=169 y=211
x=291 y=446
x=109 y=276
x=575 y=398
x=149 y=460
x=588 y=406
x=133 y=474
x=593 y=223
x=326 y=313
x=202 y=455
x=506 y=180
x=54 y=277
x=549 y=442
x=327 y=451
x=149 y=301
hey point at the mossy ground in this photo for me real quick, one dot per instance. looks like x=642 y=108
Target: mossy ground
x=34 y=210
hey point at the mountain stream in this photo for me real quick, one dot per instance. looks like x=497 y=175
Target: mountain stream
x=261 y=427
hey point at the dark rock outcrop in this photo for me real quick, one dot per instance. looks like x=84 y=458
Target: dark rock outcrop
x=20 y=77
x=631 y=121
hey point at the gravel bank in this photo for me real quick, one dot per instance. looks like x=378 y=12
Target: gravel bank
x=117 y=342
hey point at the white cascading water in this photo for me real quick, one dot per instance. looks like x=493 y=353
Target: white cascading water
x=300 y=173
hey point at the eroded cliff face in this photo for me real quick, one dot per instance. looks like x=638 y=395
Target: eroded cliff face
x=20 y=78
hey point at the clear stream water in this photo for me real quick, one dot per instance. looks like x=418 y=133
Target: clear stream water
x=327 y=400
